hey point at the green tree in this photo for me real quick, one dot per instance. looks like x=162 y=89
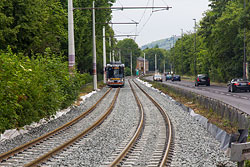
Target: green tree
x=30 y=26
x=162 y=57
x=126 y=47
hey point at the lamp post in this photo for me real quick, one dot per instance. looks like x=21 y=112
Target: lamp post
x=182 y=51
x=131 y=63
x=174 y=53
x=195 y=71
x=244 y=63
x=144 y=64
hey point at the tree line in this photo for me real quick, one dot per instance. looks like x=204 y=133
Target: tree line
x=35 y=81
x=219 y=42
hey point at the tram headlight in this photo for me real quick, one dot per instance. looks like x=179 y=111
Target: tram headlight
x=108 y=80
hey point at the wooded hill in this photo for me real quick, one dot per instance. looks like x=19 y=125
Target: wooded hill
x=166 y=43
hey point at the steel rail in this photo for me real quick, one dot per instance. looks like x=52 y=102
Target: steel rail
x=135 y=136
x=74 y=139
x=16 y=150
x=167 y=150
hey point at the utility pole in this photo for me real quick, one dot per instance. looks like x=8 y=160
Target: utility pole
x=174 y=53
x=104 y=56
x=182 y=57
x=144 y=64
x=131 y=63
x=110 y=49
x=120 y=56
x=94 y=49
x=164 y=67
x=113 y=55
x=195 y=71
x=155 y=64
x=244 y=63
x=71 y=41
x=171 y=70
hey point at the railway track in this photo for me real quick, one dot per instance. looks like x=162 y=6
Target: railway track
x=42 y=148
x=56 y=145
x=130 y=150
x=163 y=155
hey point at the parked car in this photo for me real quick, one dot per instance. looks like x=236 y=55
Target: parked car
x=169 y=77
x=157 y=77
x=176 y=78
x=238 y=84
x=202 y=79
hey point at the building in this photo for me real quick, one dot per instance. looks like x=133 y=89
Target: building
x=140 y=65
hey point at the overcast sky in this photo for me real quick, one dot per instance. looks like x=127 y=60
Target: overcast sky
x=157 y=25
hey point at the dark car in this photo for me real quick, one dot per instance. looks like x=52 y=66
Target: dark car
x=176 y=78
x=169 y=77
x=238 y=84
x=202 y=79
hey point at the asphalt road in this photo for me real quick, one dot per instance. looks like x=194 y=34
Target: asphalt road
x=240 y=100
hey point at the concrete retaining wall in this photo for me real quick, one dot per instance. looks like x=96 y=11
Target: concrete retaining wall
x=224 y=110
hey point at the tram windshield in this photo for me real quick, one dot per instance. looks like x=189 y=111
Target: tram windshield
x=115 y=73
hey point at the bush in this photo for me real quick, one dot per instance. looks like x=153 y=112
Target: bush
x=35 y=88
x=127 y=71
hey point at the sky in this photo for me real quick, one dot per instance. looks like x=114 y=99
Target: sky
x=155 y=25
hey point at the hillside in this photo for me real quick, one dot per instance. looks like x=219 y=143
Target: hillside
x=166 y=43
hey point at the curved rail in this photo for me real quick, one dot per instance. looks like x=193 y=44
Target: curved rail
x=166 y=117
x=16 y=150
x=135 y=136
x=74 y=139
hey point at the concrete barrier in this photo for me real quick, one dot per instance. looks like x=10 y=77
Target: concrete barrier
x=234 y=115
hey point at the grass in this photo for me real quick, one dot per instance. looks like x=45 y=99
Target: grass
x=212 y=117
x=87 y=89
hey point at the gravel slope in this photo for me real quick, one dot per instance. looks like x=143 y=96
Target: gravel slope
x=194 y=146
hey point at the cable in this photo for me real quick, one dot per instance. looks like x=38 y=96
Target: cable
x=164 y=2
x=144 y=12
x=145 y=23
x=120 y=3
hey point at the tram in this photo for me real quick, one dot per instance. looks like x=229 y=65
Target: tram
x=115 y=74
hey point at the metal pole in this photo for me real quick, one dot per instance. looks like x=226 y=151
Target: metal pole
x=94 y=49
x=131 y=63
x=164 y=67
x=155 y=64
x=195 y=71
x=144 y=64
x=244 y=63
x=104 y=56
x=174 y=53
x=171 y=70
x=113 y=55
x=120 y=56
x=182 y=57
x=71 y=36
x=110 y=60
